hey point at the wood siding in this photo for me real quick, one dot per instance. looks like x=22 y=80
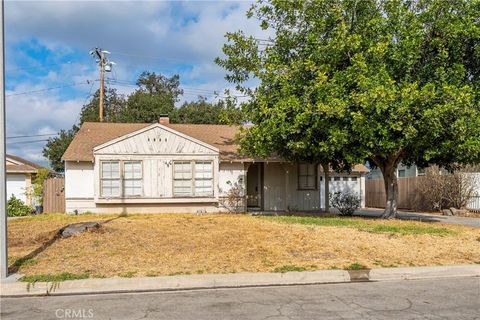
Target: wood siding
x=157 y=148
x=156 y=141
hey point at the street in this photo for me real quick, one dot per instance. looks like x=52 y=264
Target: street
x=457 y=298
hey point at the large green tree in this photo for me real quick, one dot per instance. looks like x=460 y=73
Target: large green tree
x=202 y=111
x=379 y=80
x=56 y=146
x=156 y=95
x=113 y=106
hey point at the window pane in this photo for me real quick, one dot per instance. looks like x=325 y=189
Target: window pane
x=133 y=170
x=336 y=179
x=203 y=170
x=303 y=169
x=311 y=169
x=203 y=187
x=311 y=182
x=354 y=178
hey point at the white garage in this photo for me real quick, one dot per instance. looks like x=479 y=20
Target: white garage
x=19 y=177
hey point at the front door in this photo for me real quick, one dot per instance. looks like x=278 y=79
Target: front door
x=254 y=185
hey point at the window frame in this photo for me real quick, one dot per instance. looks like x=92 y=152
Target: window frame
x=119 y=179
x=192 y=179
x=315 y=176
x=132 y=179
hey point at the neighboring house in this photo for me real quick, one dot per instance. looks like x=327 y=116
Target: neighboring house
x=20 y=173
x=163 y=167
x=403 y=171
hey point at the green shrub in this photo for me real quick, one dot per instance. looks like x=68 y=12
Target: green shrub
x=16 y=208
x=345 y=202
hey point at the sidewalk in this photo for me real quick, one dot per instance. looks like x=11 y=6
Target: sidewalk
x=235 y=280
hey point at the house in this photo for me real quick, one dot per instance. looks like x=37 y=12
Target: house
x=20 y=173
x=164 y=167
x=403 y=171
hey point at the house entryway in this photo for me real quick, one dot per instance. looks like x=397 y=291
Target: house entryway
x=254 y=187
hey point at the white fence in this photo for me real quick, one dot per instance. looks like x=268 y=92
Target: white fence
x=474 y=204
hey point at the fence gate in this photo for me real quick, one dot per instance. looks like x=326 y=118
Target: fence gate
x=54 y=195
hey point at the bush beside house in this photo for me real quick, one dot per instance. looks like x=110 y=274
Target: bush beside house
x=16 y=207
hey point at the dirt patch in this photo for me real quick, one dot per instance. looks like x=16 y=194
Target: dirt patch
x=182 y=244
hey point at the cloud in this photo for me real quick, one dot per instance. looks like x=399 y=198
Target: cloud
x=48 y=44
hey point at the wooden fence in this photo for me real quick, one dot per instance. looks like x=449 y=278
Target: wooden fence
x=408 y=197
x=54 y=195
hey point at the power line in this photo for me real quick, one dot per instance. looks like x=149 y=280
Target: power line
x=48 y=89
x=33 y=135
x=28 y=141
x=187 y=90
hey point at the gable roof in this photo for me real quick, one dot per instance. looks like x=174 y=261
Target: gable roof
x=16 y=164
x=222 y=137
x=93 y=134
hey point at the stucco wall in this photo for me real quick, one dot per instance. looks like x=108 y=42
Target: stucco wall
x=231 y=174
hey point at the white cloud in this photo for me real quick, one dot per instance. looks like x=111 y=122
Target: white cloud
x=160 y=36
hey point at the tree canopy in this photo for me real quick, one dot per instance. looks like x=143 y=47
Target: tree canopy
x=347 y=80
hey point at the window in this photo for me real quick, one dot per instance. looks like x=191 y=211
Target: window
x=401 y=173
x=420 y=171
x=336 y=179
x=345 y=178
x=354 y=179
x=192 y=178
x=132 y=178
x=203 y=178
x=110 y=178
x=307 y=176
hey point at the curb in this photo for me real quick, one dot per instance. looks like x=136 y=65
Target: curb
x=226 y=281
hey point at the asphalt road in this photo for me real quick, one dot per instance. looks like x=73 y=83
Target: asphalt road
x=420 y=299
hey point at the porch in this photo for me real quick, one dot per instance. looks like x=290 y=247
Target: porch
x=286 y=186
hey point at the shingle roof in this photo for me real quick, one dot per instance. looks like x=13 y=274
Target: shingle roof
x=22 y=166
x=92 y=134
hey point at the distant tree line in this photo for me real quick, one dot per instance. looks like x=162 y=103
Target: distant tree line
x=155 y=95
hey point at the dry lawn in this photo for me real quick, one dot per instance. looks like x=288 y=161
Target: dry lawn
x=182 y=244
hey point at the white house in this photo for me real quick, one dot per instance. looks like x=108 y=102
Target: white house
x=163 y=167
x=20 y=173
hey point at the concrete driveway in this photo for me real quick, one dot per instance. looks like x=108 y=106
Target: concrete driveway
x=420 y=216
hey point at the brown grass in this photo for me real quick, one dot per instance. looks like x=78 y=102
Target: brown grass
x=182 y=244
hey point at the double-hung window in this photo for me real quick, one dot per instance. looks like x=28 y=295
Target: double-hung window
x=121 y=179
x=132 y=178
x=307 y=176
x=192 y=178
x=110 y=178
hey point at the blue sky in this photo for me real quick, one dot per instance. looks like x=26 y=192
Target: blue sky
x=48 y=44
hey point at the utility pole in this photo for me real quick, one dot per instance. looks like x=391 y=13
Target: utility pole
x=105 y=66
x=102 y=84
x=3 y=175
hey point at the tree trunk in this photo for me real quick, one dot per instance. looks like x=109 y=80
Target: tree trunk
x=326 y=171
x=391 y=190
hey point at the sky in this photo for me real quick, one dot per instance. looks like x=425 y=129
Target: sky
x=50 y=74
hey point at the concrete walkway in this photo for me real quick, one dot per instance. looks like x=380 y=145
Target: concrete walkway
x=235 y=280
x=420 y=216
